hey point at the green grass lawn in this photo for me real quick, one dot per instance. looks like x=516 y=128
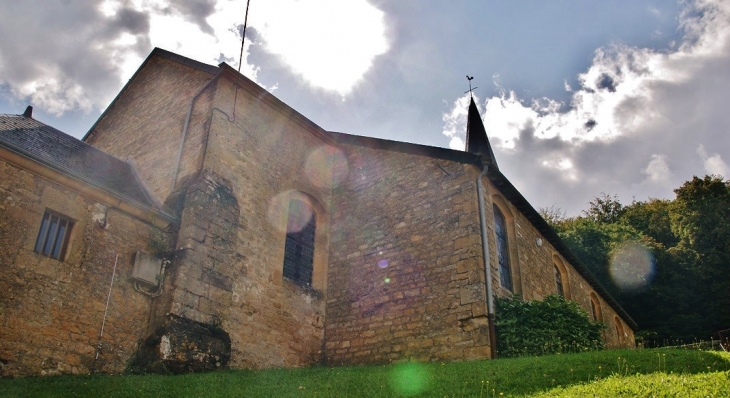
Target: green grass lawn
x=628 y=373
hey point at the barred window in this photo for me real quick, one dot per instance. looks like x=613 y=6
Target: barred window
x=299 y=246
x=53 y=236
x=500 y=230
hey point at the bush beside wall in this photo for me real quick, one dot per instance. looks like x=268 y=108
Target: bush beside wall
x=553 y=325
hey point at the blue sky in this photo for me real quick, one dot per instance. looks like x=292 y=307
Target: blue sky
x=580 y=97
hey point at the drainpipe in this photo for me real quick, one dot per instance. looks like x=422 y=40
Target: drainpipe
x=487 y=268
x=187 y=122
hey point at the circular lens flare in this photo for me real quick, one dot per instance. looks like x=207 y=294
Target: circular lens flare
x=409 y=379
x=289 y=212
x=632 y=266
x=326 y=167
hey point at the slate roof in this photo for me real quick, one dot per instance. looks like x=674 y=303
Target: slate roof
x=59 y=151
x=476 y=136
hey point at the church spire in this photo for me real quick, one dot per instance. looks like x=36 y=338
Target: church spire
x=476 y=136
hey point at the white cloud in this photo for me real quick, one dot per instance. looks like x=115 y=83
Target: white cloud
x=455 y=122
x=331 y=43
x=713 y=164
x=657 y=171
x=631 y=102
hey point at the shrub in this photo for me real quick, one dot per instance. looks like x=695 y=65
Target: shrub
x=553 y=325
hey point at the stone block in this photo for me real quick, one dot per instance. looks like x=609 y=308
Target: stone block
x=471 y=294
x=183 y=346
x=217 y=279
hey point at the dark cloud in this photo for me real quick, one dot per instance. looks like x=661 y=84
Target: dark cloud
x=590 y=124
x=195 y=11
x=229 y=60
x=68 y=58
x=251 y=33
x=607 y=82
x=131 y=21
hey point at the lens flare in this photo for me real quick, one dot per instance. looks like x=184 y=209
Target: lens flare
x=383 y=263
x=326 y=167
x=386 y=280
x=409 y=379
x=632 y=266
x=288 y=212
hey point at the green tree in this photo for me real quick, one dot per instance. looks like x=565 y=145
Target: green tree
x=700 y=218
x=554 y=215
x=652 y=218
x=605 y=209
x=687 y=294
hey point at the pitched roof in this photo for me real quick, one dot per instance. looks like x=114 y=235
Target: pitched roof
x=59 y=151
x=476 y=136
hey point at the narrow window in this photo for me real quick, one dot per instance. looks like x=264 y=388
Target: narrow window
x=619 y=330
x=500 y=229
x=299 y=247
x=53 y=235
x=559 y=281
x=595 y=308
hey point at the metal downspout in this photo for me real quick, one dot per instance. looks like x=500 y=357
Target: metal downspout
x=487 y=268
x=187 y=123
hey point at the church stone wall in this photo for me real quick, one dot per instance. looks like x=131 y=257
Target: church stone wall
x=145 y=123
x=51 y=311
x=406 y=279
x=261 y=157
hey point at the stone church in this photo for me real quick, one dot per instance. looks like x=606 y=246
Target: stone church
x=202 y=223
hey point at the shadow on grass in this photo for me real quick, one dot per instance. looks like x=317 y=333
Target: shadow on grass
x=518 y=376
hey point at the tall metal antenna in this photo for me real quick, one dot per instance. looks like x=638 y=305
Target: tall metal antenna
x=240 y=57
x=470 y=92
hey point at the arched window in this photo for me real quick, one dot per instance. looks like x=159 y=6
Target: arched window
x=562 y=279
x=619 y=330
x=559 y=281
x=595 y=308
x=299 y=247
x=500 y=230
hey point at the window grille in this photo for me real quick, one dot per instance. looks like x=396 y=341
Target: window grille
x=53 y=236
x=500 y=230
x=299 y=246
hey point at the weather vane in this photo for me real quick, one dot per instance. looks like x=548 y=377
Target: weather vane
x=470 y=92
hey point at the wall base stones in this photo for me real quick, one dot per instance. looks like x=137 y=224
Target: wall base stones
x=183 y=346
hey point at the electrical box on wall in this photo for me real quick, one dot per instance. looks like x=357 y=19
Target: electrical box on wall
x=146 y=269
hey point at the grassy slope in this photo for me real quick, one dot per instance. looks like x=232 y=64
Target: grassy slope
x=602 y=373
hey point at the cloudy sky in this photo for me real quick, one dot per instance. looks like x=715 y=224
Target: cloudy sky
x=579 y=97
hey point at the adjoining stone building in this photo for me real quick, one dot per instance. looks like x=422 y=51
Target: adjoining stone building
x=203 y=223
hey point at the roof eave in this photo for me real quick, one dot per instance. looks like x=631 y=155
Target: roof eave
x=144 y=210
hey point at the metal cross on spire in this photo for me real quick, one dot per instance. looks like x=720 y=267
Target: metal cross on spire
x=470 y=92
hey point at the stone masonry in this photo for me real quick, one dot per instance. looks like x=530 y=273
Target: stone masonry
x=51 y=310
x=406 y=280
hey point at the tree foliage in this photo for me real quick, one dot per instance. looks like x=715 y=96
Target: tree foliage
x=553 y=325
x=686 y=295
x=604 y=209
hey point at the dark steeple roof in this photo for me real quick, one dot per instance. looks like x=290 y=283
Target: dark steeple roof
x=476 y=136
